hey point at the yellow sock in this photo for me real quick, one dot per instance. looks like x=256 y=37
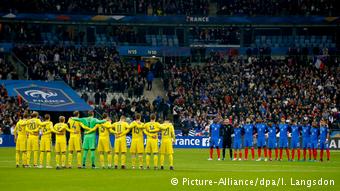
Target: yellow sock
x=171 y=159
x=147 y=160
x=63 y=159
x=24 y=158
x=35 y=157
x=155 y=160
x=28 y=158
x=109 y=159
x=41 y=158
x=57 y=159
x=79 y=158
x=101 y=159
x=162 y=160
x=133 y=160
x=140 y=157
x=48 y=159
x=123 y=157
x=70 y=159
x=17 y=157
x=115 y=159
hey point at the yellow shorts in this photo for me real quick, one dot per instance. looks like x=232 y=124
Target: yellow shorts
x=45 y=144
x=21 y=143
x=60 y=145
x=151 y=146
x=166 y=147
x=74 y=143
x=104 y=144
x=120 y=145
x=137 y=146
x=33 y=143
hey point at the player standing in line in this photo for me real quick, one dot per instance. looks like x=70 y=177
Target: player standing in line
x=74 y=142
x=104 y=144
x=295 y=140
x=272 y=141
x=20 y=138
x=324 y=137
x=215 y=140
x=261 y=129
x=314 y=135
x=33 y=127
x=238 y=131
x=137 y=143
x=89 y=142
x=168 y=139
x=306 y=140
x=226 y=131
x=151 y=131
x=46 y=141
x=283 y=141
x=248 y=139
x=120 y=129
x=60 y=144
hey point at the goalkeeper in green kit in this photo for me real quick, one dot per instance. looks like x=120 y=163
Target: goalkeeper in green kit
x=89 y=142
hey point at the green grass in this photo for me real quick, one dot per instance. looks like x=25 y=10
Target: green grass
x=189 y=163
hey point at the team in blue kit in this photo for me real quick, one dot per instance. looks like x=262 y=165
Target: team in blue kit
x=270 y=135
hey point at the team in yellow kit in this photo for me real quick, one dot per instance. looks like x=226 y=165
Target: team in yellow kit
x=120 y=129
x=74 y=142
x=46 y=141
x=28 y=129
x=104 y=144
x=21 y=140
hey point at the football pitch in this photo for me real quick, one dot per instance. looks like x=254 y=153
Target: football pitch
x=192 y=172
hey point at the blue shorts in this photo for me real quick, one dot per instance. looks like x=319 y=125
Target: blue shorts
x=215 y=142
x=248 y=142
x=305 y=143
x=324 y=145
x=314 y=144
x=261 y=142
x=294 y=144
x=237 y=144
x=272 y=144
x=283 y=143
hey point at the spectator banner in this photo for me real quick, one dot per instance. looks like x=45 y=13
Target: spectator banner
x=46 y=96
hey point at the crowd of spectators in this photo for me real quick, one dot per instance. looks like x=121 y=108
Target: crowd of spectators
x=88 y=69
x=278 y=7
x=229 y=35
x=174 y=7
x=257 y=88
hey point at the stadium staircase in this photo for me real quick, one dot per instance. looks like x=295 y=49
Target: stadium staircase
x=19 y=66
x=157 y=90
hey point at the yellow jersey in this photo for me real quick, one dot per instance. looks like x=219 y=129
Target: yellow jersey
x=151 y=129
x=46 y=129
x=33 y=126
x=120 y=127
x=137 y=129
x=20 y=127
x=60 y=130
x=74 y=127
x=168 y=131
x=104 y=129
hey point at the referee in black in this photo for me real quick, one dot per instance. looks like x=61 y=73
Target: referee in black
x=226 y=131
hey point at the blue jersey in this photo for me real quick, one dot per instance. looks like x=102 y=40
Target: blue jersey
x=215 y=130
x=237 y=134
x=261 y=130
x=305 y=132
x=323 y=134
x=295 y=132
x=283 y=131
x=314 y=134
x=272 y=132
x=248 y=131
